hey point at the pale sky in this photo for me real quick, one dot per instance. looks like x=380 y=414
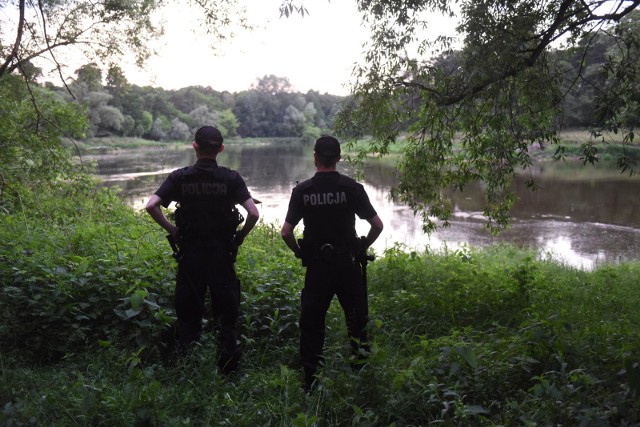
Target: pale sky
x=317 y=51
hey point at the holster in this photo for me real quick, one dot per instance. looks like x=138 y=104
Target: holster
x=304 y=252
x=177 y=253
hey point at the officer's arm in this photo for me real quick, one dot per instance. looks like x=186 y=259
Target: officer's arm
x=290 y=238
x=153 y=208
x=375 y=230
x=252 y=218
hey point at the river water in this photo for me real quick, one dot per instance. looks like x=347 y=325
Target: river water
x=583 y=216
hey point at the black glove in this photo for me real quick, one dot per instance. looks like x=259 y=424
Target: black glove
x=362 y=253
x=238 y=238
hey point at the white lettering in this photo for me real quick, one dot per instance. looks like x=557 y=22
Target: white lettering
x=320 y=199
x=204 y=188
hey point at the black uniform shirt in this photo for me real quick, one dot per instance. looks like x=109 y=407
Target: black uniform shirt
x=207 y=195
x=204 y=181
x=328 y=204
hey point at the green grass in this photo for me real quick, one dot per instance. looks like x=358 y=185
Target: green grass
x=610 y=146
x=107 y=144
x=465 y=337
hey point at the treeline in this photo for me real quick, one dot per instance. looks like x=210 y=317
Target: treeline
x=587 y=96
x=270 y=108
x=586 y=84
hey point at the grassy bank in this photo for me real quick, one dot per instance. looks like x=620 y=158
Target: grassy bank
x=108 y=144
x=609 y=149
x=469 y=337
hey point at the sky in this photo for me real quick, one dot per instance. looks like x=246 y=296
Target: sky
x=315 y=52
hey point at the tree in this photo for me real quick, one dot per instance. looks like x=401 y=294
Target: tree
x=117 y=85
x=326 y=107
x=293 y=121
x=159 y=129
x=145 y=123
x=189 y=98
x=30 y=72
x=228 y=123
x=272 y=85
x=34 y=124
x=472 y=112
x=246 y=106
x=179 y=131
x=260 y=108
x=618 y=101
x=89 y=77
x=201 y=116
x=100 y=30
x=133 y=105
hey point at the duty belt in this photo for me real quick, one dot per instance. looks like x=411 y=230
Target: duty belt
x=327 y=252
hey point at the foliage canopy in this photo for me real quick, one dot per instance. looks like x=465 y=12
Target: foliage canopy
x=33 y=121
x=473 y=109
x=101 y=31
x=34 y=125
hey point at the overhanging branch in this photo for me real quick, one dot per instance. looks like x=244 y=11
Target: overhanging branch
x=545 y=39
x=16 y=46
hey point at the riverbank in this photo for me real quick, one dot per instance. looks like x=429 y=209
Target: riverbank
x=110 y=144
x=584 y=227
x=460 y=337
x=609 y=148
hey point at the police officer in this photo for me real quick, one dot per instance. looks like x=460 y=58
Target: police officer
x=330 y=249
x=206 y=229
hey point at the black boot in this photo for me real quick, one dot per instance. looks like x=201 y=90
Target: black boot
x=310 y=380
x=360 y=357
x=228 y=364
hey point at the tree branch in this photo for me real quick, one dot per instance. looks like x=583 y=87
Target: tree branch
x=50 y=49
x=16 y=46
x=607 y=17
x=41 y=51
x=545 y=39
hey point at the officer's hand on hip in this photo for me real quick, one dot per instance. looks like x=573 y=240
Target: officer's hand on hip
x=238 y=238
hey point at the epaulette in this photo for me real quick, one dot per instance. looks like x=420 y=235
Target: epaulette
x=304 y=184
x=346 y=181
x=229 y=172
x=179 y=172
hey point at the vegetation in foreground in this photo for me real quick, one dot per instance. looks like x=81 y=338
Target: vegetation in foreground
x=467 y=337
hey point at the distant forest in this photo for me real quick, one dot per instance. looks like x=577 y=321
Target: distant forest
x=270 y=108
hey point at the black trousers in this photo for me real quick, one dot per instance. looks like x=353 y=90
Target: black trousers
x=199 y=270
x=341 y=277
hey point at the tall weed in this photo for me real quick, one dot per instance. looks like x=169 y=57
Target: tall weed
x=464 y=337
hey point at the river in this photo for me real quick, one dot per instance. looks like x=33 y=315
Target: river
x=583 y=216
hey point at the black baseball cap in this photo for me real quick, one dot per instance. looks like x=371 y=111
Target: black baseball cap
x=208 y=135
x=327 y=146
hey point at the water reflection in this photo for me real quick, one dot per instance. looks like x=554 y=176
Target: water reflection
x=583 y=220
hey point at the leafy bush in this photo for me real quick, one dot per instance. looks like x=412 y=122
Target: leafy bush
x=73 y=271
x=465 y=337
x=34 y=124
